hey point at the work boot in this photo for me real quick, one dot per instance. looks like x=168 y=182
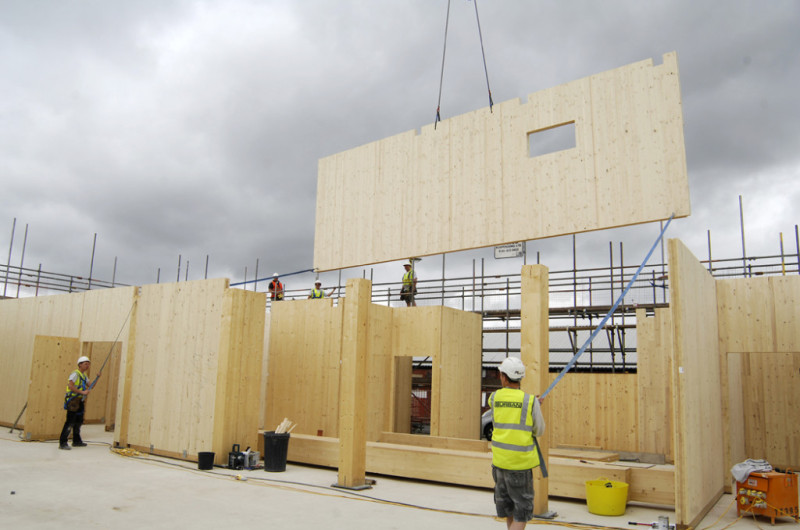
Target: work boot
x=79 y=444
x=65 y=447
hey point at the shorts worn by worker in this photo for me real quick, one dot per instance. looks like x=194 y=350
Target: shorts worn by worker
x=406 y=293
x=513 y=493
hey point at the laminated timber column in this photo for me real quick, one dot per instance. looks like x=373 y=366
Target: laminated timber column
x=353 y=386
x=535 y=355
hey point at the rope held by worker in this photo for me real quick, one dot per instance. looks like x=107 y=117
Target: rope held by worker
x=602 y=323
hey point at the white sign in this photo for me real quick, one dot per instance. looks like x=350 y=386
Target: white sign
x=511 y=250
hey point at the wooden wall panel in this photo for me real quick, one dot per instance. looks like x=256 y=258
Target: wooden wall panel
x=305 y=348
x=53 y=360
x=735 y=446
x=764 y=394
x=104 y=392
x=756 y=315
x=400 y=407
x=472 y=183
x=697 y=399
x=596 y=411
x=786 y=295
x=21 y=321
x=654 y=382
x=239 y=373
x=459 y=378
x=174 y=372
x=17 y=333
x=746 y=315
x=379 y=370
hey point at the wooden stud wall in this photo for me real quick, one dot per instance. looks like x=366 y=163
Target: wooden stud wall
x=654 y=381
x=697 y=399
x=471 y=182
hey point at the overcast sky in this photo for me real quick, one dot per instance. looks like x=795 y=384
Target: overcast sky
x=193 y=128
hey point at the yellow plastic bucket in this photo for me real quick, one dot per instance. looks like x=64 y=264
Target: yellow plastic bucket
x=606 y=497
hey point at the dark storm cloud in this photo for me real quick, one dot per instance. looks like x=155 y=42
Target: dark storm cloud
x=194 y=128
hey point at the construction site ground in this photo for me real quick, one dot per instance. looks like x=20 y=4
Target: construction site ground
x=95 y=487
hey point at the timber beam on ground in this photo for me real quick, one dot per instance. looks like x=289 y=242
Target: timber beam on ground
x=468 y=463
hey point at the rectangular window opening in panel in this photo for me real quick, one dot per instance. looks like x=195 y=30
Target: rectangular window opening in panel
x=552 y=139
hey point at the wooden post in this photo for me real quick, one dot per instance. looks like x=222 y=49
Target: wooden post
x=353 y=386
x=535 y=355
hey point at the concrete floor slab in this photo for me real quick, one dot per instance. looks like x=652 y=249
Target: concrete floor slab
x=95 y=487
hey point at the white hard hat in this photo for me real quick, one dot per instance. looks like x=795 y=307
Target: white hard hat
x=275 y=275
x=513 y=368
x=84 y=359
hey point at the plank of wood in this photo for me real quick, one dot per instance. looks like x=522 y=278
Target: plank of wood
x=473 y=468
x=439 y=442
x=598 y=456
x=568 y=476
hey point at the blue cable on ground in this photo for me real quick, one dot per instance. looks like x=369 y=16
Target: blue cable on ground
x=602 y=323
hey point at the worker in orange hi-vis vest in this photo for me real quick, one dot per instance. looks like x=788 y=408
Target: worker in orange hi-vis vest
x=276 y=288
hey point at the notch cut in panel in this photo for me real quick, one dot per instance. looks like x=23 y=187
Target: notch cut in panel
x=552 y=139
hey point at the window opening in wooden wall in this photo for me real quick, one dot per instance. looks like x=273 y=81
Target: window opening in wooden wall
x=551 y=140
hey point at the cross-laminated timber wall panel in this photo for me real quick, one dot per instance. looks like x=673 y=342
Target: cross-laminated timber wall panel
x=89 y=317
x=305 y=350
x=697 y=398
x=654 y=381
x=759 y=341
x=596 y=410
x=452 y=340
x=471 y=182
x=191 y=381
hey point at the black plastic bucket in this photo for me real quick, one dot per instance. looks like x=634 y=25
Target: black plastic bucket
x=276 y=447
x=205 y=461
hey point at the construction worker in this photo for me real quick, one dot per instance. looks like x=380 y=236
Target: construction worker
x=409 y=288
x=317 y=291
x=75 y=404
x=517 y=419
x=276 y=288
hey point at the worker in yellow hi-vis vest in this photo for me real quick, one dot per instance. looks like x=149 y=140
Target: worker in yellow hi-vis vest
x=317 y=291
x=409 y=288
x=517 y=419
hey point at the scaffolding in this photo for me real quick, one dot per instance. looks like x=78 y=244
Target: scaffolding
x=579 y=299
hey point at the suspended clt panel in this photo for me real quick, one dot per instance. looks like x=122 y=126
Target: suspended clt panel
x=493 y=176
